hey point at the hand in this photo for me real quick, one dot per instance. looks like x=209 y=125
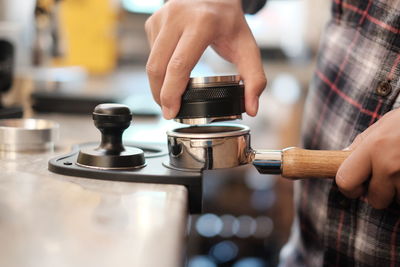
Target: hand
x=375 y=159
x=179 y=33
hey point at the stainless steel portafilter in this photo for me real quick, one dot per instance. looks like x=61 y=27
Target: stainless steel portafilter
x=209 y=147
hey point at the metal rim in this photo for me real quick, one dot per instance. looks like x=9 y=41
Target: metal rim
x=172 y=167
x=209 y=131
x=202 y=120
x=214 y=81
x=28 y=124
x=19 y=135
x=110 y=168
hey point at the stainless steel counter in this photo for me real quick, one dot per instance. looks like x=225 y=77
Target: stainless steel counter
x=48 y=219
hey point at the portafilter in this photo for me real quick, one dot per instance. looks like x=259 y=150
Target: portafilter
x=206 y=147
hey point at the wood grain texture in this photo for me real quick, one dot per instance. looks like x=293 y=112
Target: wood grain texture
x=300 y=163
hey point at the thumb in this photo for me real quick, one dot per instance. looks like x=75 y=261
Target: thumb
x=354 y=171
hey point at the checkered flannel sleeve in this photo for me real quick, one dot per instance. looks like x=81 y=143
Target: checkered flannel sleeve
x=356 y=82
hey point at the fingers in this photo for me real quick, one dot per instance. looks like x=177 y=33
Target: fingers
x=369 y=159
x=162 y=49
x=360 y=138
x=178 y=35
x=188 y=51
x=385 y=173
x=250 y=67
x=353 y=172
x=380 y=191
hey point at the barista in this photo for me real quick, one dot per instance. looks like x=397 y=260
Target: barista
x=352 y=103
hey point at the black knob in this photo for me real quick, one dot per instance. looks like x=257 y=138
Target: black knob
x=111 y=120
x=208 y=99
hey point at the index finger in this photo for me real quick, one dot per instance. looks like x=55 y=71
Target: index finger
x=186 y=55
x=160 y=54
x=354 y=171
x=250 y=67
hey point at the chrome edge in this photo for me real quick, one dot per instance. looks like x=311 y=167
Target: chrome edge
x=203 y=121
x=23 y=135
x=237 y=130
x=267 y=161
x=211 y=81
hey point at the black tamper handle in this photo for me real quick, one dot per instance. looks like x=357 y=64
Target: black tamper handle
x=112 y=120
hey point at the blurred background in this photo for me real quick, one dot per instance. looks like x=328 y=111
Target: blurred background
x=63 y=57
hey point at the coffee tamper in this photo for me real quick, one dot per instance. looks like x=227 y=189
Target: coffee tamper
x=211 y=99
x=111 y=120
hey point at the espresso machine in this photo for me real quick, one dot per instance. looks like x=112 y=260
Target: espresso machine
x=16 y=20
x=201 y=145
x=6 y=79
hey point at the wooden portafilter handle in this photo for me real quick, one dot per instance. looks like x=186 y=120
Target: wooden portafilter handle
x=297 y=163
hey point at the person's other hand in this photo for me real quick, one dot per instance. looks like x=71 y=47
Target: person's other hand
x=179 y=33
x=373 y=168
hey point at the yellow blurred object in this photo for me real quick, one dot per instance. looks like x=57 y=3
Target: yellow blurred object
x=89 y=33
x=46 y=4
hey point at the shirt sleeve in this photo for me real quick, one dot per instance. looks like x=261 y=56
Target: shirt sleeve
x=252 y=6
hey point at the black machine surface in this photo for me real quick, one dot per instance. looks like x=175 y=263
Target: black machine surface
x=111 y=160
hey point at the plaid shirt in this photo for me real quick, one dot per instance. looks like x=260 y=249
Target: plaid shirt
x=357 y=80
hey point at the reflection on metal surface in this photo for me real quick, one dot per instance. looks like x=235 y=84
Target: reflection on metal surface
x=23 y=135
x=212 y=81
x=112 y=169
x=202 y=121
x=209 y=147
x=209 y=131
x=144 y=215
x=267 y=161
x=217 y=147
x=54 y=220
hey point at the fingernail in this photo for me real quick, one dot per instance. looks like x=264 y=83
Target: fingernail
x=167 y=113
x=254 y=106
x=346 y=148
